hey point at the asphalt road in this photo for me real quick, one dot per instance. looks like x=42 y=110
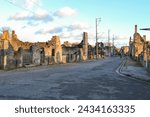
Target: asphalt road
x=92 y=80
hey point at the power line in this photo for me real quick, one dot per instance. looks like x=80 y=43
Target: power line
x=10 y=2
x=48 y=12
x=36 y=4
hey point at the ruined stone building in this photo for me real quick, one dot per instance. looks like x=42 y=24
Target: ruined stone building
x=15 y=53
x=139 y=47
x=124 y=50
x=71 y=52
x=75 y=52
x=118 y=50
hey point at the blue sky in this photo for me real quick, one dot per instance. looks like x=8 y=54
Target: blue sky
x=39 y=20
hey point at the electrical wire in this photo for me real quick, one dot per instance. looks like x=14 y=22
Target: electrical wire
x=10 y=2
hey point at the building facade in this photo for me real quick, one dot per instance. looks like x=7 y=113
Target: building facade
x=124 y=50
x=75 y=52
x=14 y=53
x=139 y=48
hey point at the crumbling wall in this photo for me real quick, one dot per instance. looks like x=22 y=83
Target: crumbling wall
x=11 y=61
x=19 y=57
x=74 y=52
x=15 y=53
x=71 y=54
x=56 y=49
x=7 y=60
x=27 y=57
x=138 y=44
x=36 y=55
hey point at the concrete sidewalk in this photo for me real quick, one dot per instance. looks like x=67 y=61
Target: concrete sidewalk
x=134 y=69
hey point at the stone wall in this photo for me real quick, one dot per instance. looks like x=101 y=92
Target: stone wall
x=136 y=45
x=7 y=60
x=125 y=50
x=15 y=53
x=75 y=52
x=36 y=55
x=71 y=54
x=19 y=57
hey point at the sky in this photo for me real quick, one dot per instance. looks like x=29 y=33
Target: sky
x=39 y=20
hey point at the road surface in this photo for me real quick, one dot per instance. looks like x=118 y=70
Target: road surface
x=92 y=80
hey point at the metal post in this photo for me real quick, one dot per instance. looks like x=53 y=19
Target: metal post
x=97 y=21
x=108 y=42
x=96 y=41
x=113 y=44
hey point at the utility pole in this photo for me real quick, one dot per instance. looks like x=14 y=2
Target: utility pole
x=113 y=44
x=109 y=42
x=97 y=23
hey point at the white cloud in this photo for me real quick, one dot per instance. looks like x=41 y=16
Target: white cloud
x=20 y=16
x=71 y=35
x=78 y=26
x=32 y=23
x=26 y=21
x=39 y=15
x=64 y=30
x=50 y=30
x=65 y=11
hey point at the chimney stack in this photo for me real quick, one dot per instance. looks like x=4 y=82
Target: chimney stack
x=135 y=28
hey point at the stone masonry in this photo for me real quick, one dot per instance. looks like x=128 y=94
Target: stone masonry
x=139 y=48
x=15 y=53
